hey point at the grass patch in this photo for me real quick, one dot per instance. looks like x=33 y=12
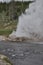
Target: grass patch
x=5 y=32
x=8 y=28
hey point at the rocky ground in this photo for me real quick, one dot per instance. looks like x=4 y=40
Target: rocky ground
x=4 y=60
x=21 y=39
x=5 y=38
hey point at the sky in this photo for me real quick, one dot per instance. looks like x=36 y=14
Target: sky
x=15 y=0
x=4 y=0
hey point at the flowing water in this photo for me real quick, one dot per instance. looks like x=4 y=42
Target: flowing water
x=30 y=24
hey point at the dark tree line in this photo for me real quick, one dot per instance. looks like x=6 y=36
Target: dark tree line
x=13 y=9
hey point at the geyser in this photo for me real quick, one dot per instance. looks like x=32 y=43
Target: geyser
x=30 y=24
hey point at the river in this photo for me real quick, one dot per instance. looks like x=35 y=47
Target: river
x=23 y=53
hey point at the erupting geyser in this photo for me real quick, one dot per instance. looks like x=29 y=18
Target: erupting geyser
x=30 y=24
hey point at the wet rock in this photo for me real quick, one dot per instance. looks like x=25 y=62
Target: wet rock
x=4 y=60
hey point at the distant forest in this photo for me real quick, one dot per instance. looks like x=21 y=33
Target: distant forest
x=9 y=13
x=13 y=9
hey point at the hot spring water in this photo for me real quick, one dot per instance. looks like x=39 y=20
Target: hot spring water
x=30 y=24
